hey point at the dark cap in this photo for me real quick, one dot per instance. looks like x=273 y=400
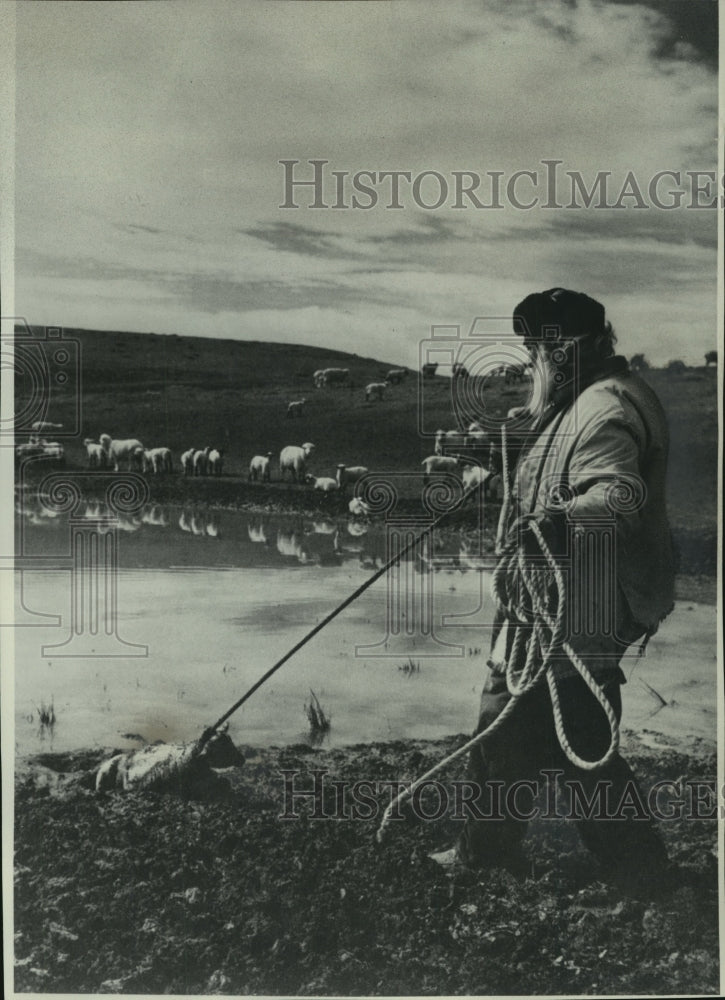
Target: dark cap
x=558 y=314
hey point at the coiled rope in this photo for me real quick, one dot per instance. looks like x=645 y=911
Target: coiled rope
x=545 y=631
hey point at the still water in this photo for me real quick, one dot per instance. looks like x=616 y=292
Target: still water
x=205 y=603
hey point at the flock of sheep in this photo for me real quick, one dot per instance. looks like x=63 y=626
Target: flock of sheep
x=469 y=455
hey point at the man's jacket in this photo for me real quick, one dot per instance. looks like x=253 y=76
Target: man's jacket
x=604 y=457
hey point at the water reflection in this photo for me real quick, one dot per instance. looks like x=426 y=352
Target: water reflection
x=158 y=536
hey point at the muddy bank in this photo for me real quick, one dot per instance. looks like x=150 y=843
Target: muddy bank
x=150 y=894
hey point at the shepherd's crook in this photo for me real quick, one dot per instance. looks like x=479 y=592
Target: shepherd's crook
x=341 y=607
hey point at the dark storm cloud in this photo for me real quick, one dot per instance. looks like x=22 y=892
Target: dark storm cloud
x=693 y=28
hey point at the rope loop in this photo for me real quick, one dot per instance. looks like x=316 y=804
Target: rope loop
x=539 y=643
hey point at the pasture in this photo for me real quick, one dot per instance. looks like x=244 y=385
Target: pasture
x=184 y=392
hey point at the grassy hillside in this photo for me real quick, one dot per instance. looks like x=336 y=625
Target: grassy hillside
x=192 y=391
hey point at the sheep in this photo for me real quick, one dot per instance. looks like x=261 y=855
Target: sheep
x=396 y=375
x=129 y=449
x=296 y=408
x=447 y=440
x=186 y=769
x=349 y=474
x=97 y=458
x=323 y=483
x=333 y=376
x=439 y=463
x=201 y=462
x=45 y=425
x=260 y=468
x=477 y=439
x=157 y=460
x=375 y=390
x=358 y=507
x=215 y=462
x=474 y=475
x=187 y=462
x=293 y=459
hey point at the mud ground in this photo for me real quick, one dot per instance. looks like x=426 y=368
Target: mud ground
x=146 y=893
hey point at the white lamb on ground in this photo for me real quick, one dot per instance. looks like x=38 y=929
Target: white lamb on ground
x=323 y=483
x=201 y=462
x=347 y=474
x=293 y=459
x=97 y=458
x=296 y=408
x=215 y=462
x=439 y=463
x=187 y=462
x=474 y=475
x=184 y=769
x=375 y=390
x=260 y=468
x=129 y=450
x=358 y=507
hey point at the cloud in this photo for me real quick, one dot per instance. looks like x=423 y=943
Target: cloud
x=156 y=200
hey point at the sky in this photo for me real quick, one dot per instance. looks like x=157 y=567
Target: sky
x=148 y=182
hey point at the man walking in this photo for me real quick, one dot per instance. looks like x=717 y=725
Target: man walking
x=590 y=473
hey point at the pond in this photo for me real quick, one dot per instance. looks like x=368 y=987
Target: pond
x=200 y=604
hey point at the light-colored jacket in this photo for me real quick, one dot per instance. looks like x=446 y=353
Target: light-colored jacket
x=605 y=455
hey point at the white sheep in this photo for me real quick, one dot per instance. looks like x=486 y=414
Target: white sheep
x=201 y=462
x=477 y=439
x=358 y=507
x=396 y=375
x=129 y=449
x=45 y=425
x=296 y=408
x=323 y=483
x=474 y=475
x=293 y=459
x=97 y=458
x=158 y=461
x=347 y=474
x=446 y=441
x=439 y=463
x=215 y=462
x=375 y=390
x=332 y=376
x=187 y=462
x=182 y=768
x=260 y=468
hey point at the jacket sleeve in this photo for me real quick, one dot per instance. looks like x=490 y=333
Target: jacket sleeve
x=605 y=465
